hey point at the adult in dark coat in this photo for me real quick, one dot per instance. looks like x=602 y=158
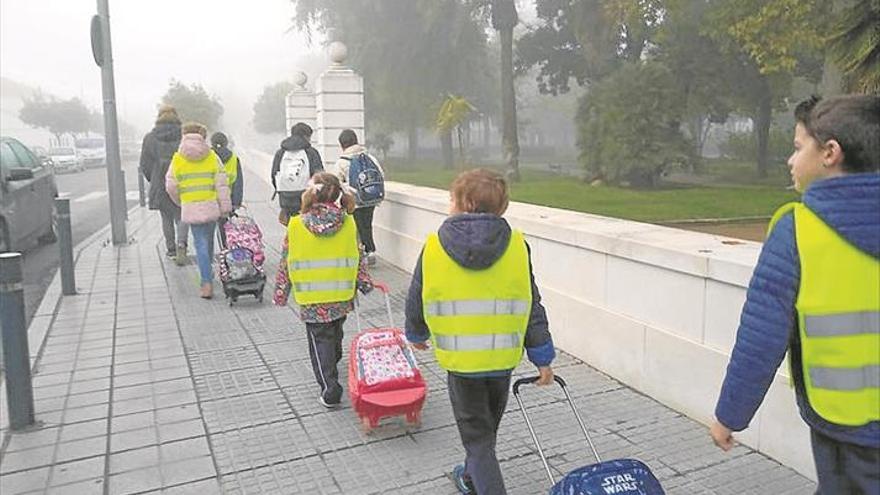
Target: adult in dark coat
x=158 y=147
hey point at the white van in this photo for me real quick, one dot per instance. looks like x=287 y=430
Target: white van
x=90 y=152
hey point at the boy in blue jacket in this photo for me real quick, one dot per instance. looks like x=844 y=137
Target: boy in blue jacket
x=816 y=292
x=474 y=296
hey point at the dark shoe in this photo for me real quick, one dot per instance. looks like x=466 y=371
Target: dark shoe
x=328 y=405
x=171 y=253
x=180 y=257
x=463 y=481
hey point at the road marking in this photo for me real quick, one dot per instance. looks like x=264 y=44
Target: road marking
x=90 y=196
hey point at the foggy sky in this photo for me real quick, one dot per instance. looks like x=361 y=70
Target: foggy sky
x=232 y=47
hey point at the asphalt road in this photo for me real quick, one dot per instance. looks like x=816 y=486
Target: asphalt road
x=89 y=211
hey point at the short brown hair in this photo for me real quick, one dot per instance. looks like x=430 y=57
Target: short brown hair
x=330 y=190
x=194 y=128
x=480 y=191
x=854 y=122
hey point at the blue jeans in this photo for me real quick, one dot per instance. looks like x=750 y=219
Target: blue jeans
x=203 y=238
x=845 y=468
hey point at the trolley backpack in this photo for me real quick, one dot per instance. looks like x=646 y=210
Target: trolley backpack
x=384 y=379
x=624 y=476
x=292 y=177
x=366 y=179
x=241 y=258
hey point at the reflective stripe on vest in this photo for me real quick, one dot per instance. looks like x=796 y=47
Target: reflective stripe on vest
x=231 y=169
x=858 y=323
x=838 y=307
x=488 y=342
x=322 y=269
x=196 y=179
x=477 y=318
x=847 y=379
x=326 y=263
x=478 y=307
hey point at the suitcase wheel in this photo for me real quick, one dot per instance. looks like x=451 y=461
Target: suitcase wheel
x=414 y=420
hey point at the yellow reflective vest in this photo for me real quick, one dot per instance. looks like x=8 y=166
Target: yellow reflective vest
x=196 y=179
x=477 y=318
x=231 y=168
x=838 y=307
x=322 y=269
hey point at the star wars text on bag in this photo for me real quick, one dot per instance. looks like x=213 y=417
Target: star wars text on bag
x=366 y=179
x=620 y=483
x=292 y=177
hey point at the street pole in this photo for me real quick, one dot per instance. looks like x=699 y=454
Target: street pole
x=65 y=247
x=103 y=53
x=16 y=356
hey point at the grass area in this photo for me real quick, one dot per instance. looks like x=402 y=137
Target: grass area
x=666 y=204
x=735 y=172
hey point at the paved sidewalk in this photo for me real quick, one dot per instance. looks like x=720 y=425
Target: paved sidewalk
x=142 y=387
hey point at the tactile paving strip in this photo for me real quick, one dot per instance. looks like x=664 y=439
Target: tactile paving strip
x=244 y=411
x=224 y=360
x=215 y=341
x=306 y=476
x=234 y=383
x=259 y=446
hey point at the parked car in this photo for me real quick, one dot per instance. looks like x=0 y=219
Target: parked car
x=42 y=155
x=27 y=194
x=91 y=151
x=65 y=160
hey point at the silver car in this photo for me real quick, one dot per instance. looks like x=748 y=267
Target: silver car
x=27 y=198
x=65 y=160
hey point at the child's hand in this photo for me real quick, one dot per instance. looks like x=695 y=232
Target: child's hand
x=546 y=377
x=421 y=346
x=722 y=436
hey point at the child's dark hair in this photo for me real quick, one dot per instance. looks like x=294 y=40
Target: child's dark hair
x=347 y=138
x=854 y=122
x=301 y=129
x=326 y=188
x=480 y=191
x=803 y=109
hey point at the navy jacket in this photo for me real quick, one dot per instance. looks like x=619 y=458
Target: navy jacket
x=476 y=241
x=768 y=325
x=237 y=193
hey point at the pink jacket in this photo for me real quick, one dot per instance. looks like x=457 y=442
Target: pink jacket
x=194 y=147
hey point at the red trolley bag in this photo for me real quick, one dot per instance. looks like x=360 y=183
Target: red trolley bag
x=384 y=379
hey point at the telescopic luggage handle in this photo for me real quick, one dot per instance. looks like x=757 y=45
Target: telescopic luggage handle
x=564 y=386
x=386 y=291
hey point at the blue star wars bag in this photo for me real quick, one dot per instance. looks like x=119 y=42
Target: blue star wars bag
x=626 y=476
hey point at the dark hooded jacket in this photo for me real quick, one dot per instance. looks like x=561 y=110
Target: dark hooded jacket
x=295 y=143
x=237 y=189
x=769 y=324
x=158 y=147
x=476 y=241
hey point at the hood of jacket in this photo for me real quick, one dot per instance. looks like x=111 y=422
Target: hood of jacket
x=353 y=150
x=850 y=205
x=167 y=132
x=323 y=219
x=194 y=147
x=223 y=152
x=294 y=143
x=475 y=240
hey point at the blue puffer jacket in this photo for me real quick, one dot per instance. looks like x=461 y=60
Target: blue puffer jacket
x=768 y=326
x=476 y=241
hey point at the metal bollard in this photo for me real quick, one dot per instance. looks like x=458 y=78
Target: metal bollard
x=142 y=197
x=16 y=356
x=65 y=247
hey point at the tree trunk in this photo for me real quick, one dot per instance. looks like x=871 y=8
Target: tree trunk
x=412 y=135
x=487 y=136
x=447 y=149
x=458 y=131
x=504 y=19
x=762 y=130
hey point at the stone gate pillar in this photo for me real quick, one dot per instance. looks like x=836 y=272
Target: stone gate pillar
x=301 y=105
x=340 y=105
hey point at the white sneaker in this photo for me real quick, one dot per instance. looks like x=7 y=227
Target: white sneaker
x=327 y=404
x=372 y=259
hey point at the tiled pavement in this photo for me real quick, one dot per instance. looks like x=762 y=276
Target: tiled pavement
x=144 y=388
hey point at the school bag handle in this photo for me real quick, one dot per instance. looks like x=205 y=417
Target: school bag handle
x=562 y=384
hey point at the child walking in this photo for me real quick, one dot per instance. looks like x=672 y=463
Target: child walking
x=474 y=296
x=816 y=293
x=322 y=264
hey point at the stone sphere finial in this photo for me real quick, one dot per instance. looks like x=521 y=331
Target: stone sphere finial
x=338 y=52
x=300 y=79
